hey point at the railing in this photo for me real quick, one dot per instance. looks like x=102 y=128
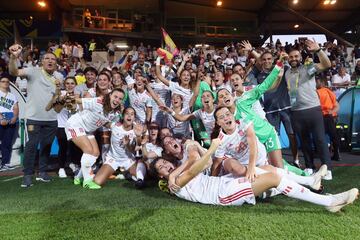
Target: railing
x=97 y=22
x=125 y=25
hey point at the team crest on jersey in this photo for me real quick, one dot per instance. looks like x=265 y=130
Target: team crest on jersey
x=241 y=133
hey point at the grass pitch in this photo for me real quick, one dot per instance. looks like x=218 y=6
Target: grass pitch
x=60 y=210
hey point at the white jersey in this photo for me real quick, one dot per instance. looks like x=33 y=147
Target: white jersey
x=92 y=92
x=217 y=190
x=207 y=119
x=118 y=150
x=63 y=115
x=185 y=93
x=162 y=92
x=236 y=146
x=153 y=148
x=180 y=129
x=91 y=117
x=140 y=101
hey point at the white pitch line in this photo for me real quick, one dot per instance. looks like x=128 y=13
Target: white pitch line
x=13 y=178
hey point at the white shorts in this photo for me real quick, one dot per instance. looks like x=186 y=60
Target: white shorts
x=76 y=132
x=125 y=163
x=235 y=191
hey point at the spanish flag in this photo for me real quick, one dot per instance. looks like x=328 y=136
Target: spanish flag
x=165 y=54
x=169 y=43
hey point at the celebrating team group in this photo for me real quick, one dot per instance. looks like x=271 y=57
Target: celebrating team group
x=197 y=128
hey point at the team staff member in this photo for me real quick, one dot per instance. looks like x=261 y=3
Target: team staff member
x=306 y=116
x=41 y=124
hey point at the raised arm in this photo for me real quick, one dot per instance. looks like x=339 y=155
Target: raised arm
x=279 y=79
x=314 y=47
x=153 y=94
x=15 y=51
x=198 y=166
x=248 y=47
x=186 y=58
x=179 y=117
x=256 y=93
x=148 y=114
x=158 y=73
x=196 y=91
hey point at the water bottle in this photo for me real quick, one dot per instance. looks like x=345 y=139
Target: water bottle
x=311 y=69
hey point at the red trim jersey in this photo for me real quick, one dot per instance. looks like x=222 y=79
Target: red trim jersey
x=236 y=146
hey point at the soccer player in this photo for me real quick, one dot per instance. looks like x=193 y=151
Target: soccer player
x=239 y=144
x=242 y=109
x=205 y=114
x=121 y=155
x=197 y=187
x=95 y=113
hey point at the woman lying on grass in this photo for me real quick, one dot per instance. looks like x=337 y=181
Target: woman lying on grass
x=197 y=187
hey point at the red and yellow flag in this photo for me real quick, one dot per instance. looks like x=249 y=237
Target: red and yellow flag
x=170 y=43
x=165 y=54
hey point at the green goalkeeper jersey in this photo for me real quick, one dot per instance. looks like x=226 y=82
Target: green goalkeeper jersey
x=263 y=129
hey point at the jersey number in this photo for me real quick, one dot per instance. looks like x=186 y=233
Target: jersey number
x=269 y=143
x=241 y=147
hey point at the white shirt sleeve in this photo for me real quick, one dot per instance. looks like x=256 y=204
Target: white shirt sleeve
x=92 y=104
x=173 y=85
x=197 y=113
x=129 y=80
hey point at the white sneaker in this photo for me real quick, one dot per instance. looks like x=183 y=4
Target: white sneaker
x=8 y=167
x=73 y=167
x=318 y=176
x=309 y=171
x=328 y=175
x=343 y=199
x=120 y=176
x=270 y=193
x=62 y=173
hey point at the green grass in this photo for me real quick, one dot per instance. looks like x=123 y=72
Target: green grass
x=60 y=210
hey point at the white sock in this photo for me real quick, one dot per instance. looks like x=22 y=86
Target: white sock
x=104 y=150
x=87 y=160
x=308 y=181
x=295 y=190
x=140 y=170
